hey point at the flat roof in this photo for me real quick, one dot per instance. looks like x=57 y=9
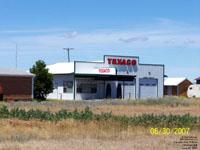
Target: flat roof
x=14 y=72
x=61 y=68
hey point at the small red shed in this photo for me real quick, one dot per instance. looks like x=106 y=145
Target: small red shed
x=15 y=84
x=176 y=86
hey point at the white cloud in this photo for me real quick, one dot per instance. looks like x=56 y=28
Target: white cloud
x=189 y=41
x=165 y=21
x=133 y=39
x=72 y=35
x=150 y=37
x=150 y=43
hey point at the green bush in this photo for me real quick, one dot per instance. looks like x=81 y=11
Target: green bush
x=146 y=120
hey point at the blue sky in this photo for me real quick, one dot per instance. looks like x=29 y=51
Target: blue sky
x=161 y=32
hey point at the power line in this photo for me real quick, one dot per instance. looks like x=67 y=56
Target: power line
x=16 y=57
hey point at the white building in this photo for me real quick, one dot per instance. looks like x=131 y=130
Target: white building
x=114 y=77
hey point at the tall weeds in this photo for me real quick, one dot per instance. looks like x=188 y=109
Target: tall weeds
x=145 y=120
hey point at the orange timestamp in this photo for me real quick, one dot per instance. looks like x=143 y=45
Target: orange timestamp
x=167 y=131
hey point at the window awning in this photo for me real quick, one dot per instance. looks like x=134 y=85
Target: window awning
x=107 y=77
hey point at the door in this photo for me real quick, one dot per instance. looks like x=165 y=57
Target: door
x=169 y=91
x=108 y=91
x=148 y=88
x=129 y=90
x=119 y=91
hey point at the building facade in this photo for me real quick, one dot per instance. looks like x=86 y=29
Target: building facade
x=114 y=77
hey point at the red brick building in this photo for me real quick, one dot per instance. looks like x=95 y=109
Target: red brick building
x=16 y=84
x=176 y=86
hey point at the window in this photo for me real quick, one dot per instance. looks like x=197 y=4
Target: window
x=86 y=88
x=67 y=86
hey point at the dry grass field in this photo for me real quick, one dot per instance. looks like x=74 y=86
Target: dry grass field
x=79 y=135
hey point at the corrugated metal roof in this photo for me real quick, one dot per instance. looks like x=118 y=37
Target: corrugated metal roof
x=61 y=68
x=173 y=81
x=197 y=78
x=14 y=72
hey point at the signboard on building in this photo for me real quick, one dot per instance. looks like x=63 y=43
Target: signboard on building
x=107 y=71
x=120 y=61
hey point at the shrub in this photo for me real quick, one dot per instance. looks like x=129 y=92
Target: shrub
x=146 y=120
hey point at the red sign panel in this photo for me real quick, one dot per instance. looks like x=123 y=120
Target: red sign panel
x=128 y=62
x=106 y=70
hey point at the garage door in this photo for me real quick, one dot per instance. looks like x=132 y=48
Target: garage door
x=148 y=88
x=129 y=90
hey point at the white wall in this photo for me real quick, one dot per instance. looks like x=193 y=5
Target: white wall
x=88 y=67
x=58 y=92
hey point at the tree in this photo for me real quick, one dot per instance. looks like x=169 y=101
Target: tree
x=43 y=81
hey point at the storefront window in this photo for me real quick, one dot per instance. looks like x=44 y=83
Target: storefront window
x=67 y=86
x=86 y=88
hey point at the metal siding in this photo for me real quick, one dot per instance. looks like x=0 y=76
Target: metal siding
x=148 y=91
x=129 y=90
x=148 y=88
x=156 y=72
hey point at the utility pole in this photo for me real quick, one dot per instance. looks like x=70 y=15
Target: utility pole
x=68 y=49
x=16 y=57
